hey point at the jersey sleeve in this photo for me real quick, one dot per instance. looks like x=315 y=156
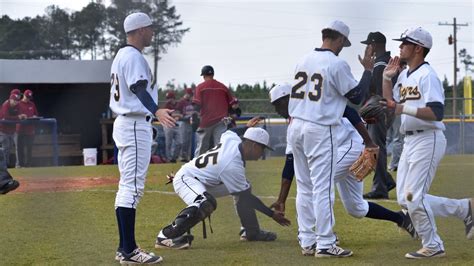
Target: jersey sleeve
x=432 y=89
x=136 y=69
x=343 y=79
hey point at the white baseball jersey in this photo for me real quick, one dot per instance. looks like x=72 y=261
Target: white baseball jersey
x=128 y=67
x=222 y=164
x=418 y=88
x=321 y=81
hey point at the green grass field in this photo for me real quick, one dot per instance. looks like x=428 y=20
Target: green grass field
x=79 y=227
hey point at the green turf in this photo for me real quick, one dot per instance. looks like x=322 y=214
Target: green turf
x=79 y=228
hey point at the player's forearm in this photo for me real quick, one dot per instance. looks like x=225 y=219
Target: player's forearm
x=360 y=127
x=252 y=201
x=424 y=113
x=139 y=89
x=284 y=190
x=387 y=88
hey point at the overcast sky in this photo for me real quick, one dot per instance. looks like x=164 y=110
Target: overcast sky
x=252 y=41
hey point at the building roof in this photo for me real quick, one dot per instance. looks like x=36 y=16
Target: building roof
x=54 y=71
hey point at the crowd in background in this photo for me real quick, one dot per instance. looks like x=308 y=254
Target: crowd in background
x=16 y=136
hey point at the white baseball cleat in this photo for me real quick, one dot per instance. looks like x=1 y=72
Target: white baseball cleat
x=425 y=253
x=309 y=251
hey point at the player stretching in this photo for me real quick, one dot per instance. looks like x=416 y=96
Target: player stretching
x=350 y=190
x=134 y=98
x=421 y=106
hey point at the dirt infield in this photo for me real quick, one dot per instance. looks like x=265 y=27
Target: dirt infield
x=71 y=184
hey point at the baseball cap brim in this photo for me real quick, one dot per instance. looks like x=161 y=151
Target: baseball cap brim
x=408 y=39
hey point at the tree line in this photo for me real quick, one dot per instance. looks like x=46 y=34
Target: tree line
x=95 y=32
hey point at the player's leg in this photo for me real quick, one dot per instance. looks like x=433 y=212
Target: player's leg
x=425 y=153
x=397 y=143
x=321 y=150
x=350 y=191
x=133 y=139
x=382 y=181
x=459 y=208
x=200 y=206
x=7 y=183
x=304 y=190
x=203 y=140
x=218 y=130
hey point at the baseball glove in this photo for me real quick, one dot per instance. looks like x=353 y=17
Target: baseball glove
x=365 y=164
x=372 y=110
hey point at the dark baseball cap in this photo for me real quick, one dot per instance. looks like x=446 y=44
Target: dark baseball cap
x=207 y=70
x=375 y=37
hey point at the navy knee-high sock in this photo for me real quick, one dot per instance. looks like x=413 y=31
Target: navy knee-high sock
x=119 y=229
x=127 y=225
x=378 y=212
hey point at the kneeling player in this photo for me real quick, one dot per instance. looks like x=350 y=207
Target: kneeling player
x=220 y=172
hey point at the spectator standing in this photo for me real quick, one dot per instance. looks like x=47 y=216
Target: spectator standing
x=172 y=136
x=383 y=181
x=9 y=112
x=185 y=106
x=25 y=132
x=212 y=100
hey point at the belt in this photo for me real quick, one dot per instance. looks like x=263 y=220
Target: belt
x=412 y=132
x=147 y=118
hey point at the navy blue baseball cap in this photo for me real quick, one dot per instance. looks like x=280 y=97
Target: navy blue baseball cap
x=375 y=37
x=207 y=70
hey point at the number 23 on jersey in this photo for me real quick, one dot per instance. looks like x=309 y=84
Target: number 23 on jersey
x=315 y=92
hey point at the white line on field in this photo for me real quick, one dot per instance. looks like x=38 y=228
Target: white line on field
x=174 y=194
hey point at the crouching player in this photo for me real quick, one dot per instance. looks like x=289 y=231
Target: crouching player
x=220 y=172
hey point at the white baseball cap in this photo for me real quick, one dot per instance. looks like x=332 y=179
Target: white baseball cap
x=342 y=28
x=418 y=36
x=279 y=91
x=258 y=135
x=135 y=21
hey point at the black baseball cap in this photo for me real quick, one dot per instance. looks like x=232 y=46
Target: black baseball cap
x=375 y=37
x=207 y=70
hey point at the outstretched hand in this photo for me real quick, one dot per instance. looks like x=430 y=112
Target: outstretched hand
x=279 y=217
x=278 y=206
x=392 y=68
x=369 y=59
x=254 y=121
x=165 y=118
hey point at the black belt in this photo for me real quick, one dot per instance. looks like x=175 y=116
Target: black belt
x=409 y=133
x=147 y=118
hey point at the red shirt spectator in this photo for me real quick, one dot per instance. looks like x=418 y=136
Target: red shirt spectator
x=10 y=111
x=214 y=99
x=28 y=108
x=185 y=105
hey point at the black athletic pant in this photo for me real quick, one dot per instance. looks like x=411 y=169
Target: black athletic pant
x=25 y=146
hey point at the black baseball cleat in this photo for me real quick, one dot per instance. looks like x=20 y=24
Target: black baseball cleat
x=180 y=242
x=468 y=222
x=333 y=252
x=261 y=236
x=10 y=186
x=375 y=195
x=407 y=224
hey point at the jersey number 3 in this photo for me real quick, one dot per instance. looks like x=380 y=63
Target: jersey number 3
x=210 y=156
x=298 y=90
x=114 y=82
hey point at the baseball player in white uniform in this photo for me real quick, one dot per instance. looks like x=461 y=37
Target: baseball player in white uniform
x=133 y=98
x=220 y=172
x=323 y=83
x=351 y=145
x=420 y=102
